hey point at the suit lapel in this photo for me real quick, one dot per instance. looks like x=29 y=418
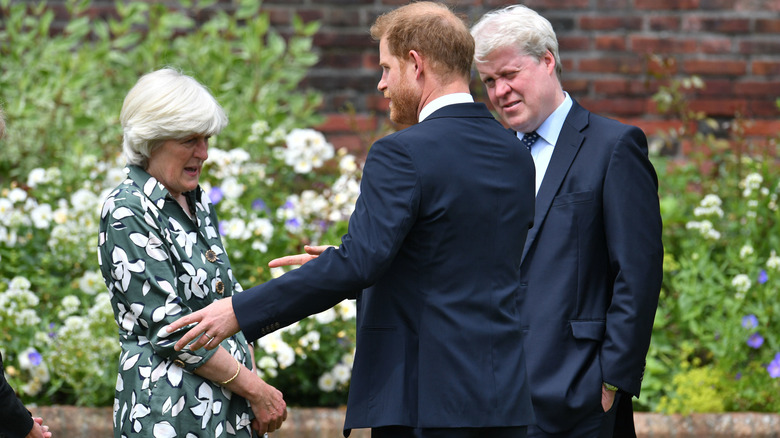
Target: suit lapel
x=567 y=147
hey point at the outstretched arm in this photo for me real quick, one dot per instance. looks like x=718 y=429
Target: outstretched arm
x=312 y=252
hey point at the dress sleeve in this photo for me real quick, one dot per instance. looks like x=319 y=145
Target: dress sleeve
x=139 y=262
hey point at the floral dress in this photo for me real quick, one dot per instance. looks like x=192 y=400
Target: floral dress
x=159 y=265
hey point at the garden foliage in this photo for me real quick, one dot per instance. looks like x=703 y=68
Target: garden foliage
x=275 y=183
x=716 y=340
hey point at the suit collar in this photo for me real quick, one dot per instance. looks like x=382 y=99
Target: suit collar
x=566 y=149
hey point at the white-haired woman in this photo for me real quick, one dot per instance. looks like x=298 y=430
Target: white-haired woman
x=161 y=257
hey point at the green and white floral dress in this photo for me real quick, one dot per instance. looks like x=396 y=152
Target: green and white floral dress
x=158 y=265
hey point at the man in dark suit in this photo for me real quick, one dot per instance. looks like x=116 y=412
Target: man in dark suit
x=432 y=253
x=15 y=420
x=592 y=264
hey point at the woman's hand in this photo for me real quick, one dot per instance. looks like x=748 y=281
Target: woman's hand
x=269 y=408
x=39 y=430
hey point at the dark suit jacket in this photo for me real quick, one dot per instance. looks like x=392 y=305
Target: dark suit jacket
x=591 y=269
x=15 y=420
x=432 y=256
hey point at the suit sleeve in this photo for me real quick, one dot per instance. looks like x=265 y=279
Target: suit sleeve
x=633 y=232
x=384 y=212
x=15 y=420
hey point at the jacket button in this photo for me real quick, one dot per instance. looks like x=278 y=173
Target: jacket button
x=211 y=256
x=220 y=287
x=179 y=363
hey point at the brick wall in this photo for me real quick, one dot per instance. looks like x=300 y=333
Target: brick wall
x=733 y=45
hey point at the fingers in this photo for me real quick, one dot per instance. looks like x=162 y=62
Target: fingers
x=317 y=249
x=184 y=321
x=298 y=259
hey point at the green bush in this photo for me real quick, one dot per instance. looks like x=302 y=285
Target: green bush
x=716 y=340
x=275 y=184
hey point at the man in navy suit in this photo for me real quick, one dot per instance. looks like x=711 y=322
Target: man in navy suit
x=432 y=253
x=592 y=264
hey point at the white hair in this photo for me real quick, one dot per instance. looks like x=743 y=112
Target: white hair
x=166 y=105
x=515 y=26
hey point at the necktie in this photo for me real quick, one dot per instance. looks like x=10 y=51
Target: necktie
x=529 y=139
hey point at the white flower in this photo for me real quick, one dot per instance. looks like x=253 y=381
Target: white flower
x=235 y=228
x=774 y=261
x=91 y=282
x=327 y=383
x=36 y=176
x=709 y=205
x=750 y=183
x=347 y=309
x=342 y=373
x=232 y=188
x=347 y=164
x=705 y=229
x=741 y=283
x=326 y=316
x=17 y=195
x=41 y=216
x=745 y=251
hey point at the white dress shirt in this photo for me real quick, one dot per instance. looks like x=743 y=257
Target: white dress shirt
x=443 y=101
x=548 y=132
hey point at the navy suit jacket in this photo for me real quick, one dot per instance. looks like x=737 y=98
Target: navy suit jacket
x=591 y=269
x=432 y=256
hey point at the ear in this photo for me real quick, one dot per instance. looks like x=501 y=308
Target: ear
x=417 y=63
x=549 y=61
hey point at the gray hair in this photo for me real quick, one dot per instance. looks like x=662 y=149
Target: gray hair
x=515 y=26
x=166 y=105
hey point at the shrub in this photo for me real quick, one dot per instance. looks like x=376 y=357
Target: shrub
x=717 y=330
x=275 y=184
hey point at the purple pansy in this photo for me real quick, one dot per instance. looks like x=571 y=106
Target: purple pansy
x=755 y=340
x=762 y=277
x=749 y=322
x=774 y=367
x=216 y=194
x=35 y=358
x=259 y=204
x=222 y=228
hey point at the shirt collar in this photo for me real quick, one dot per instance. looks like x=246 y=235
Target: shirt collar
x=440 y=102
x=153 y=189
x=550 y=129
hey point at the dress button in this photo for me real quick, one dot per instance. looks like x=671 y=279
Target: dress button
x=220 y=287
x=211 y=256
x=179 y=363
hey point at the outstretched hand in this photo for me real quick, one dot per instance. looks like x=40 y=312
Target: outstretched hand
x=213 y=324
x=312 y=252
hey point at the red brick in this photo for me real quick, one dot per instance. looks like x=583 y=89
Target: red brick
x=768 y=25
x=714 y=67
x=760 y=46
x=348 y=122
x=719 y=107
x=667 y=5
x=573 y=43
x=612 y=5
x=575 y=86
x=610 y=23
x=766 y=128
x=611 y=43
x=715 y=45
x=765 y=68
x=621 y=65
x=666 y=22
x=644 y=44
x=757 y=89
x=725 y=25
x=615 y=107
x=762 y=108
x=717 y=87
